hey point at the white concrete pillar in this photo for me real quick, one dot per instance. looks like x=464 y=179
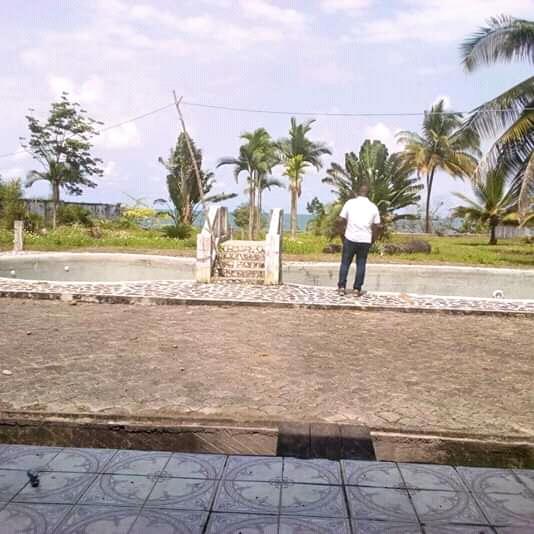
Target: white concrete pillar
x=18 y=239
x=204 y=261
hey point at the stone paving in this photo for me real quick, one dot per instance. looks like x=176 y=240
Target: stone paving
x=179 y=292
x=125 y=491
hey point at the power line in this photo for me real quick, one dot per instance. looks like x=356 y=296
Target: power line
x=283 y=112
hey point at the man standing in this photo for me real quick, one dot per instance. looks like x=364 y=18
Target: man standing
x=361 y=219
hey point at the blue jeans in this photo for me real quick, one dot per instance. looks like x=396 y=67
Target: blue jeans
x=351 y=249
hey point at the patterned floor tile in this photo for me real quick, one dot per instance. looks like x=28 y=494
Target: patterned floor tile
x=514 y=530
x=120 y=490
x=487 y=480
x=438 y=528
x=380 y=503
x=242 y=523
x=137 y=463
x=11 y=482
x=257 y=468
x=507 y=510
x=81 y=460
x=311 y=471
x=313 y=525
x=183 y=493
x=313 y=500
x=195 y=466
x=385 y=527
x=247 y=497
x=99 y=520
x=526 y=476
x=431 y=477
x=19 y=518
x=56 y=488
x=27 y=457
x=169 y=522
x=377 y=474
x=446 y=506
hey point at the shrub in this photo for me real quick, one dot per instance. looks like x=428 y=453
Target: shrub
x=11 y=203
x=178 y=231
x=68 y=214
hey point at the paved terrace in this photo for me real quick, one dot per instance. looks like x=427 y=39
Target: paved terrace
x=289 y=295
x=125 y=491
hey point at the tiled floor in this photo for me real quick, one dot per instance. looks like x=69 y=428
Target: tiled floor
x=87 y=491
x=293 y=295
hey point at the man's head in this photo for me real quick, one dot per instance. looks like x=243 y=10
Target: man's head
x=363 y=190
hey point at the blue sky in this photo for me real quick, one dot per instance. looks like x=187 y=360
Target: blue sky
x=122 y=58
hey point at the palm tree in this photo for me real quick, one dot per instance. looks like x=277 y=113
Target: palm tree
x=443 y=145
x=265 y=183
x=494 y=201
x=182 y=182
x=509 y=117
x=257 y=157
x=298 y=153
x=391 y=184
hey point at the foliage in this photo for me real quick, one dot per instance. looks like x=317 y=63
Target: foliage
x=70 y=214
x=317 y=209
x=299 y=153
x=11 y=203
x=391 y=185
x=139 y=213
x=62 y=146
x=178 y=231
x=240 y=215
x=257 y=157
x=493 y=202
x=509 y=117
x=443 y=145
x=182 y=183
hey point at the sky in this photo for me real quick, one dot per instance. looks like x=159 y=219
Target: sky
x=122 y=58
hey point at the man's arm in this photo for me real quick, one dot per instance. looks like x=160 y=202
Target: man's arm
x=340 y=225
x=377 y=228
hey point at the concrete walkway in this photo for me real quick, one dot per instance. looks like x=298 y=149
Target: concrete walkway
x=125 y=491
x=289 y=295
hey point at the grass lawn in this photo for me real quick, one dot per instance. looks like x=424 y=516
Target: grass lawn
x=462 y=250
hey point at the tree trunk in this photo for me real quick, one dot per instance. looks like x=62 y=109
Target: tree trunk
x=55 y=203
x=251 y=209
x=294 y=225
x=493 y=237
x=260 y=194
x=428 y=221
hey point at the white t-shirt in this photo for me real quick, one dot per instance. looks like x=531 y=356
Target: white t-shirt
x=361 y=214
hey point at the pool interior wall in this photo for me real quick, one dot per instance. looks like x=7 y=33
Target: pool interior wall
x=396 y=278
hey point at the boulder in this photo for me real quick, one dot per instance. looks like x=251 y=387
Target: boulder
x=411 y=247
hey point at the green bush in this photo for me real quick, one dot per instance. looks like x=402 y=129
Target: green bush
x=11 y=204
x=68 y=214
x=178 y=231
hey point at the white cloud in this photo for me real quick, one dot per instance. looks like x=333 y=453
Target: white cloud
x=266 y=11
x=125 y=136
x=384 y=133
x=110 y=169
x=437 y=21
x=350 y=6
x=12 y=172
x=89 y=91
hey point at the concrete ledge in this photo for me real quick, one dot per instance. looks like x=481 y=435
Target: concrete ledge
x=281 y=438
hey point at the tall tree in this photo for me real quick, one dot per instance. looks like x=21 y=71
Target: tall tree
x=392 y=186
x=257 y=157
x=508 y=118
x=298 y=153
x=182 y=183
x=493 y=202
x=444 y=145
x=62 y=146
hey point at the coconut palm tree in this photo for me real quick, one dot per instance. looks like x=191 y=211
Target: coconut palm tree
x=509 y=117
x=443 y=145
x=257 y=157
x=298 y=153
x=494 y=201
x=391 y=183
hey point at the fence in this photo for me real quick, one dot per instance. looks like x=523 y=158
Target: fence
x=43 y=207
